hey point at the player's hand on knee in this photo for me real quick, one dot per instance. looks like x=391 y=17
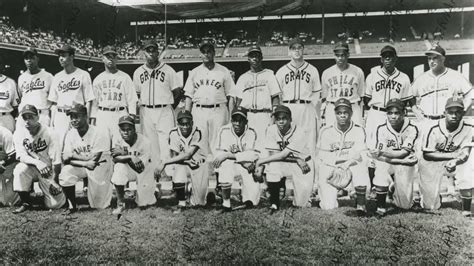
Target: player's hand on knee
x=303 y=166
x=138 y=165
x=218 y=160
x=91 y=164
x=43 y=168
x=451 y=165
x=374 y=153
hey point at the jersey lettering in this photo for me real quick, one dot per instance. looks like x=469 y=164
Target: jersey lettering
x=83 y=149
x=450 y=147
x=155 y=74
x=207 y=82
x=73 y=84
x=38 y=146
x=388 y=84
x=299 y=75
x=36 y=84
x=337 y=146
x=283 y=144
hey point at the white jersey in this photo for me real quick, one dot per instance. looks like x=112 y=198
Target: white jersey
x=115 y=90
x=8 y=94
x=257 y=89
x=44 y=145
x=349 y=83
x=381 y=87
x=34 y=89
x=93 y=141
x=209 y=86
x=434 y=91
x=228 y=141
x=294 y=140
x=390 y=139
x=441 y=140
x=155 y=86
x=141 y=148
x=68 y=89
x=6 y=142
x=298 y=83
x=178 y=143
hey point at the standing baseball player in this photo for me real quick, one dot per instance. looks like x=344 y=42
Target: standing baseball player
x=187 y=159
x=8 y=102
x=70 y=86
x=115 y=94
x=158 y=88
x=86 y=154
x=290 y=156
x=33 y=88
x=132 y=155
x=7 y=162
x=235 y=152
x=341 y=145
x=342 y=80
x=394 y=154
x=446 y=148
x=37 y=149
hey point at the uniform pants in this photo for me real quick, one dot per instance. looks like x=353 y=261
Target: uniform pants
x=304 y=116
x=8 y=197
x=404 y=176
x=7 y=121
x=146 y=184
x=374 y=119
x=209 y=121
x=61 y=124
x=107 y=121
x=199 y=181
x=260 y=122
x=229 y=169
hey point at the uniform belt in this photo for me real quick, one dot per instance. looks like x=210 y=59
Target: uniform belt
x=208 y=105
x=434 y=117
x=260 y=110
x=297 y=101
x=379 y=108
x=111 y=109
x=63 y=110
x=155 y=106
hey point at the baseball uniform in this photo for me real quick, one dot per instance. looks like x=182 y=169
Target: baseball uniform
x=299 y=86
x=123 y=173
x=336 y=147
x=439 y=139
x=43 y=146
x=256 y=91
x=208 y=89
x=403 y=176
x=198 y=174
x=94 y=141
x=66 y=90
x=243 y=147
x=8 y=100
x=7 y=196
x=115 y=97
x=297 y=142
x=348 y=84
x=34 y=90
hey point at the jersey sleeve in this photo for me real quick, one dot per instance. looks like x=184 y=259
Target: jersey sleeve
x=369 y=86
x=228 y=84
x=280 y=77
x=68 y=146
x=406 y=92
x=464 y=85
x=415 y=86
x=174 y=141
x=53 y=94
x=7 y=141
x=273 y=85
x=196 y=139
x=15 y=97
x=136 y=81
x=54 y=151
x=174 y=83
x=131 y=95
x=410 y=140
x=430 y=140
x=189 y=86
x=361 y=89
x=18 y=143
x=271 y=141
x=239 y=87
x=87 y=87
x=467 y=141
x=324 y=85
x=316 y=81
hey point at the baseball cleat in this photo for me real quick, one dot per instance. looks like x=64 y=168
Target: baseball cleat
x=120 y=208
x=273 y=209
x=361 y=210
x=380 y=212
x=22 y=208
x=246 y=205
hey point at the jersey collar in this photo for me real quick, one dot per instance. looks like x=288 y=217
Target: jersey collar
x=151 y=69
x=290 y=132
x=190 y=135
x=343 y=133
x=444 y=130
x=383 y=72
x=292 y=67
x=406 y=123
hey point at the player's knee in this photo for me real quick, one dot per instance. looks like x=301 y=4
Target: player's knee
x=20 y=170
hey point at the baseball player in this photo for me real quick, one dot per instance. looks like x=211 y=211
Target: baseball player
x=394 y=154
x=257 y=91
x=301 y=91
x=158 y=88
x=288 y=146
x=235 y=151
x=115 y=94
x=131 y=154
x=33 y=88
x=37 y=149
x=341 y=145
x=342 y=80
x=70 y=86
x=7 y=162
x=188 y=160
x=8 y=102
x=446 y=148
x=86 y=154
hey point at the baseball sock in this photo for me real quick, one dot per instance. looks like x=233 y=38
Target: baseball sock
x=70 y=196
x=25 y=197
x=381 y=196
x=179 y=188
x=466 y=196
x=360 y=195
x=226 y=189
x=274 y=189
x=120 y=194
x=371 y=176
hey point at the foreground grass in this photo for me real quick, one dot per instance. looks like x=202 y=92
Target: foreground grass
x=293 y=236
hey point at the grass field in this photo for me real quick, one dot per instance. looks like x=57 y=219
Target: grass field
x=290 y=236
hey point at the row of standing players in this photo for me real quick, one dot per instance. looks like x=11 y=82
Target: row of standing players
x=210 y=92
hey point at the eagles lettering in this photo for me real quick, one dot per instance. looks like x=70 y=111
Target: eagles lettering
x=38 y=146
x=73 y=84
x=36 y=84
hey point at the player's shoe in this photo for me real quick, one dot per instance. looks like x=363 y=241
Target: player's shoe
x=210 y=199
x=380 y=212
x=246 y=205
x=23 y=208
x=158 y=193
x=120 y=208
x=466 y=214
x=361 y=210
x=70 y=211
x=224 y=210
x=273 y=209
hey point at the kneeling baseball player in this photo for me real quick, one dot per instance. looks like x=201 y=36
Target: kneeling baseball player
x=7 y=163
x=86 y=155
x=131 y=154
x=446 y=148
x=289 y=155
x=37 y=149
x=235 y=153
x=394 y=156
x=187 y=160
x=340 y=146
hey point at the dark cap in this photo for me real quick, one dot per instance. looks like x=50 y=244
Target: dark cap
x=397 y=103
x=388 y=49
x=30 y=51
x=109 y=49
x=29 y=109
x=184 y=114
x=127 y=119
x=66 y=48
x=205 y=44
x=282 y=109
x=341 y=46
x=149 y=43
x=77 y=109
x=455 y=101
x=295 y=41
x=239 y=111
x=436 y=49
x=254 y=48
x=342 y=102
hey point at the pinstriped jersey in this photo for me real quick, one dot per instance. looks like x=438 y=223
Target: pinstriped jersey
x=115 y=90
x=257 y=89
x=441 y=140
x=434 y=91
x=68 y=89
x=178 y=143
x=155 y=86
x=381 y=87
x=388 y=138
x=348 y=83
x=228 y=141
x=6 y=142
x=8 y=94
x=34 y=89
x=298 y=83
x=294 y=140
x=209 y=86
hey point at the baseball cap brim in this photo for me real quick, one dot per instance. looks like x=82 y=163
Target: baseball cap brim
x=126 y=122
x=433 y=52
x=28 y=112
x=239 y=113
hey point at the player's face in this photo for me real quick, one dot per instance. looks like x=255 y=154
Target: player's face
x=255 y=60
x=207 y=54
x=151 y=54
x=65 y=59
x=238 y=123
x=435 y=61
x=454 y=115
x=296 y=51
x=283 y=121
x=31 y=61
x=388 y=61
x=78 y=120
x=342 y=58
x=343 y=115
x=127 y=131
x=395 y=116
x=110 y=60
x=31 y=121
x=185 y=126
